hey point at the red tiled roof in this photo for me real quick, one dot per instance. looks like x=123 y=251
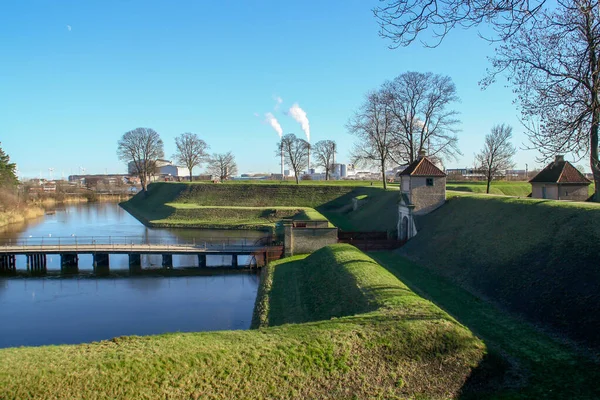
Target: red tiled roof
x=560 y=172
x=422 y=167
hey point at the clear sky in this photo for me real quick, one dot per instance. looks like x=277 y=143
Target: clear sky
x=76 y=75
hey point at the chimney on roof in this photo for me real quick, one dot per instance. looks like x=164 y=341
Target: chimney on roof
x=422 y=154
x=558 y=159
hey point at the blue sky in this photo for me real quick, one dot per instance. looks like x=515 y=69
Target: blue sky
x=76 y=75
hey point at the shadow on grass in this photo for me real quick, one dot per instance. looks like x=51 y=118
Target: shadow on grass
x=536 y=366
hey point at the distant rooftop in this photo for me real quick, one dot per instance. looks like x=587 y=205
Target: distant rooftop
x=422 y=167
x=560 y=171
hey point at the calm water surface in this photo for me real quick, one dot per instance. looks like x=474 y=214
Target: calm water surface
x=39 y=311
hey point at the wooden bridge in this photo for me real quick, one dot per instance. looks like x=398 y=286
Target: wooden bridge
x=36 y=251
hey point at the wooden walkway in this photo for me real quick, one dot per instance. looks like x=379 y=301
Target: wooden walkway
x=90 y=248
x=36 y=251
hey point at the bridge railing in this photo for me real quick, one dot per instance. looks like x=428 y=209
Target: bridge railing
x=121 y=242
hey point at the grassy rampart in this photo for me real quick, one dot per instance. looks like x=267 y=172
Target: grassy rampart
x=537 y=258
x=537 y=365
x=261 y=205
x=340 y=326
x=503 y=188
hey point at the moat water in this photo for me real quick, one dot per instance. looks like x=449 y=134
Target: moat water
x=83 y=308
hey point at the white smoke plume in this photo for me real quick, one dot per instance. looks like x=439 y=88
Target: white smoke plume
x=300 y=116
x=271 y=120
x=278 y=101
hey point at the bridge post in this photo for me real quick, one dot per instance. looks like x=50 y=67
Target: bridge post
x=7 y=264
x=36 y=263
x=167 y=261
x=202 y=260
x=135 y=263
x=69 y=263
x=234 y=260
x=101 y=264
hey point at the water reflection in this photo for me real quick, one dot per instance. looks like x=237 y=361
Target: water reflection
x=105 y=220
x=109 y=223
x=38 y=311
x=61 y=311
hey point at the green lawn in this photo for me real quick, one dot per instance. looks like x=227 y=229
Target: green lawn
x=541 y=367
x=246 y=205
x=368 y=336
x=229 y=217
x=537 y=258
x=506 y=188
x=352 y=183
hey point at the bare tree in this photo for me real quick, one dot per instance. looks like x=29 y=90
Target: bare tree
x=373 y=125
x=401 y=21
x=324 y=151
x=550 y=52
x=497 y=152
x=142 y=147
x=419 y=102
x=295 y=153
x=191 y=151
x=222 y=165
x=554 y=65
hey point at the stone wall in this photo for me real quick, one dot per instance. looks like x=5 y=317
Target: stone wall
x=573 y=192
x=427 y=198
x=307 y=240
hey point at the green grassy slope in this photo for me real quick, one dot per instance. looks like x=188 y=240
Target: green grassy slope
x=535 y=257
x=506 y=188
x=252 y=195
x=379 y=340
x=204 y=204
x=237 y=206
x=540 y=366
x=379 y=211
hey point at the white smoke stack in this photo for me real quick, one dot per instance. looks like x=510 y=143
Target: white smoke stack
x=278 y=101
x=300 y=116
x=271 y=120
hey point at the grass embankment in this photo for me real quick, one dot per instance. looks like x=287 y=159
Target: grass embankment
x=540 y=367
x=260 y=206
x=238 y=206
x=504 y=188
x=339 y=326
x=538 y=258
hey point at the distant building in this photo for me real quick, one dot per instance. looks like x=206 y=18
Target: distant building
x=422 y=190
x=560 y=180
x=164 y=169
x=465 y=173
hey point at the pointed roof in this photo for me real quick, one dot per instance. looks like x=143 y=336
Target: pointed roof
x=422 y=167
x=560 y=171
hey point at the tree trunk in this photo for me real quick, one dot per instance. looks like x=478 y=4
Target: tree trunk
x=594 y=162
x=383 y=174
x=144 y=183
x=326 y=173
x=297 y=180
x=489 y=181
